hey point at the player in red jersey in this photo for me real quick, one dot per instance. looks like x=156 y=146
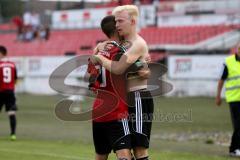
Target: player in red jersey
x=110 y=131
x=8 y=77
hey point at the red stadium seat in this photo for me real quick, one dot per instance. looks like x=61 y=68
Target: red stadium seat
x=181 y=35
x=83 y=41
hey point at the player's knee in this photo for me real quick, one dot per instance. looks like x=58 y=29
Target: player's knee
x=123 y=154
x=140 y=152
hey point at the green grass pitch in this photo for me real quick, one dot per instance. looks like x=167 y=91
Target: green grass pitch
x=41 y=136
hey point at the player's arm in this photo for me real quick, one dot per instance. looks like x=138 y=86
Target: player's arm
x=219 y=90
x=130 y=57
x=220 y=85
x=145 y=72
x=15 y=75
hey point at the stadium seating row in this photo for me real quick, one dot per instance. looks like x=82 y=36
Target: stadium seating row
x=83 y=41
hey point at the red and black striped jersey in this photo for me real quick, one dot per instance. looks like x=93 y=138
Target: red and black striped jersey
x=8 y=75
x=106 y=84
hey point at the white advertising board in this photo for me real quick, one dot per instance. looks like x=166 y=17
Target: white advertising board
x=20 y=65
x=84 y=18
x=194 y=20
x=195 y=67
x=44 y=66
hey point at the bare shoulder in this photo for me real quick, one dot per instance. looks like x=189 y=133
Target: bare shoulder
x=144 y=49
x=141 y=42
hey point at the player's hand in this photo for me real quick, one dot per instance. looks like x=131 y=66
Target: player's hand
x=94 y=59
x=148 y=59
x=218 y=101
x=99 y=47
x=144 y=73
x=106 y=45
x=93 y=71
x=91 y=66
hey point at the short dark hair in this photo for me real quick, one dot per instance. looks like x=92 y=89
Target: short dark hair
x=3 y=50
x=108 y=25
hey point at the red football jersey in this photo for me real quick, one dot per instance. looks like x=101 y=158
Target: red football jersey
x=8 y=75
x=121 y=110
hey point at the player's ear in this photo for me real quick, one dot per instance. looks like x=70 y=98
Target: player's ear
x=133 y=21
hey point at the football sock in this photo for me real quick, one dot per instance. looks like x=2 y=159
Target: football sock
x=13 y=123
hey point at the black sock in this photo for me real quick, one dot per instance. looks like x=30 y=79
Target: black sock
x=13 y=123
x=144 y=158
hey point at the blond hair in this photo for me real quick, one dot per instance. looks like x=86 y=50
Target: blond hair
x=131 y=9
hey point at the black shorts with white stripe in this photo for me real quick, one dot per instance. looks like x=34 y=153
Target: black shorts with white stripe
x=113 y=135
x=140 y=117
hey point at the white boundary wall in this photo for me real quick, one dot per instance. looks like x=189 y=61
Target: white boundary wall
x=195 y=75
x=91 y=18
x=34 y=72
x=227 y=13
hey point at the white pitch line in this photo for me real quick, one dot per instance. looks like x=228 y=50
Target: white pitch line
x=46 y=154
